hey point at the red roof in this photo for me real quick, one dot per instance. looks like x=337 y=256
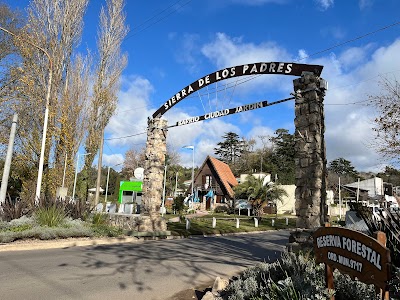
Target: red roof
x=225 y=174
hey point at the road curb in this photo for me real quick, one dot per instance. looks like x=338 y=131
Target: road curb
x=26 y=245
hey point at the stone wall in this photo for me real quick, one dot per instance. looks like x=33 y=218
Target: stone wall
x=137 y=222
x=156 y=149
x=310 y=157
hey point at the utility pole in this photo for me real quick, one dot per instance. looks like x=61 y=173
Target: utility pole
x=7 y=163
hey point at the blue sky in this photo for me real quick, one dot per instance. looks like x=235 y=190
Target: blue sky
x=172 y=43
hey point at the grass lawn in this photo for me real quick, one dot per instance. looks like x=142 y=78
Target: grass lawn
x=227 y=224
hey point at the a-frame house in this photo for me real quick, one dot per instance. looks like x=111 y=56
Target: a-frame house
x=213 y=184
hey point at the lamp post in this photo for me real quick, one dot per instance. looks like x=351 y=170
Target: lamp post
x=76 y=172
x=192 y=147
x=46 y=113
x=108 y=176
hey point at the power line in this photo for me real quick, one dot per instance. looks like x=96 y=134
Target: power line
x=124 y=137
x=352 y=103
x=352 y=40
x=239 y=82
x=158 y=20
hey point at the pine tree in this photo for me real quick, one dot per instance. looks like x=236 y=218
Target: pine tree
x=231 y=148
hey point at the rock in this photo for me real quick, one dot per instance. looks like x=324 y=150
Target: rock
x=219 y=285
x=208 y=296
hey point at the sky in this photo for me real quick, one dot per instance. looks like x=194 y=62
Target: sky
x=172 y=43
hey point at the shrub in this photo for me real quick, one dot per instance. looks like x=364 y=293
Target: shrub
x=46 y=233
x=24 y=220
x=294 y=276
x=99 y=219
x=78 y=209
x=106 y=230
x=51 y=216
x=14 y=209
x=179 y=203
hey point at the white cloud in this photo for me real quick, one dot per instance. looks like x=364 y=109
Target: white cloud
x=324 y=4
x=364 y=4
x=188 y=52
x=203 y=135
x=225 y=51
x=302 y=55
x=115 y=161
x=133 y=110
x=354 y=56
x=352 y=75
x=260 y=131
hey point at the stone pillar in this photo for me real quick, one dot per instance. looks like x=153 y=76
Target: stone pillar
x=310 y=152
x=156 y=149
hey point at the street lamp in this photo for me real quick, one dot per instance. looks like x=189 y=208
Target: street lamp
x=108 y=176
x=76 y=173
x=192 y=147
x=46 y=113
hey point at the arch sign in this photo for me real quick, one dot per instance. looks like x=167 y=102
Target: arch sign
x=281 y=68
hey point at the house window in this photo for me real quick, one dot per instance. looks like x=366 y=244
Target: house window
x=220 y=199
x=207 y=181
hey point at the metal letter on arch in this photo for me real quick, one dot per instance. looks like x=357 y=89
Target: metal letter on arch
x=277 y=68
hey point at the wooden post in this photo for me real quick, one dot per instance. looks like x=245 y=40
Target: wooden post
x=214 y=222
x=255 y=222
x=329 y=274
x=237 y=223
x=380 y=236
x=187 y=224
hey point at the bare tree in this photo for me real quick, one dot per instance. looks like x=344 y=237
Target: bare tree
x=111 y=63
x=55 y=27
x=134 y=158
x=387 y=123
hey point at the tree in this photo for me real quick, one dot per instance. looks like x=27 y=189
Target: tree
x=387 y=123
x=47 y=43
x=258 y=194
x=390 y=175
x=231 y=149
x=134 y=158
x=111 y=63
x=282 y=157
x=9 y=56
x=247 y=157
x=342 y=167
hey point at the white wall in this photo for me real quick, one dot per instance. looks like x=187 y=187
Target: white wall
x=256 y=175
x=373 y=185
x=287 y=204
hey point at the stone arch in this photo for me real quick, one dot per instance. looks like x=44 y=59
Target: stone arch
x=310 y=160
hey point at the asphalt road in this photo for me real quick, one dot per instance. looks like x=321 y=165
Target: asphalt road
x=150 y=270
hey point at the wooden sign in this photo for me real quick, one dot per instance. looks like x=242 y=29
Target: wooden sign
x=353 y=253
